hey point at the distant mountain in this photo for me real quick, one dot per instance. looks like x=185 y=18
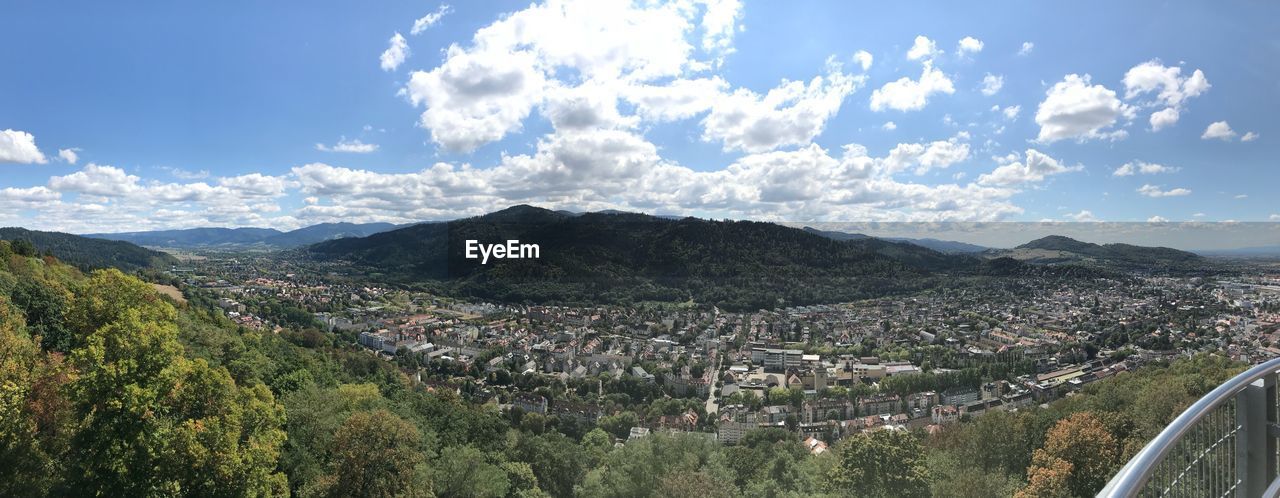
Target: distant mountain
x=90 y=253
x=942 y=246
x=1243 y=252
x=246 y=237
x=625 y=257
x=326 y=231
x=1056 y=249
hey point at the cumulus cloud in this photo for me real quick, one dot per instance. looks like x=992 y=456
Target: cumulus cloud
x=1157 y=219
x=18 y=146
x=1171 y=89
x=426 y=22
x=1075 y=108
x=1011 y=112
x=1219 y=130
x=395 y=54
x=70 y=156
x=906 y=94
x=791 y=114
x=1249 y=137
x=614 y=50
x=1141 y=167
x=1155 y=191
x=1026 y=48
x=354 y=146
x=1084 y=216
x=863 y=58
x=1033 y=168
x=923 y=49
x=968 y=45
x=991 y=84
x=99 y=180
x=889 y=126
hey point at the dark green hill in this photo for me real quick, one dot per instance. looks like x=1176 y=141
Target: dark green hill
x=88 y=253
x=619 y=257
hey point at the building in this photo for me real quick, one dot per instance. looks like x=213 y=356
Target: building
x=777 y=360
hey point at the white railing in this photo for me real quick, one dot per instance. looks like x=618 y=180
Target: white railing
x=1223 y=445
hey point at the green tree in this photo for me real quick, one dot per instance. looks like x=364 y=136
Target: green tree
x=374 y=455
x=880 y=463
x=464 y=471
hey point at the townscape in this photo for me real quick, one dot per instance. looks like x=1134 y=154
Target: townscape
x=920 y=361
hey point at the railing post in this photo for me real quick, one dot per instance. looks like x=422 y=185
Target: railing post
x=1255 y=445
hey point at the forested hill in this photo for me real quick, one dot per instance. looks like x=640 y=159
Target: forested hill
x=622 y=257
x=1058 y=249
x=88 y=253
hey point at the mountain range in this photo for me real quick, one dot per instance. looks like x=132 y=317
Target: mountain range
x=246 y=237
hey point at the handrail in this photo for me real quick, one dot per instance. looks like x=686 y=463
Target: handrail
x=1134 y=475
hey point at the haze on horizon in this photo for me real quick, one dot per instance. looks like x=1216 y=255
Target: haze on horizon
x=274 y=116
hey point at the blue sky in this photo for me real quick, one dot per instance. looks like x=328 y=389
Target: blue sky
x=182 y=114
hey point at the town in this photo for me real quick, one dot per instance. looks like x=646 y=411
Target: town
x=920 y=361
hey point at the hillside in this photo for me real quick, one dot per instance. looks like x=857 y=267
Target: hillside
x=619 y=257
x=942 y=246
x=88 y=253
x=1056 y=249
x=246 y=237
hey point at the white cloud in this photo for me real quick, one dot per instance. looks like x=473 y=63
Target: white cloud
x=791 y=114
x=906 y=94
x=483 y=91
x=863 y=58
x=1084 y=216
x=1033 y=169
x=991 y=84
x=1157 y=219
x=354 y=146
x=1219 y=130
x=937 y=154
x=18 y=146
x=476 y=97
x=1026 y=48
x=103 y=181
x=395 y=54
x=889 y=126
x=1154 y=191
x=1073 y=108
x=425 y=22
x=1011 y=112
x=1164 y=118
x=1249 y=137
x=968 y=45
x=70 y=156
x=1135 y=167
x=1171 y=88
x=1274 y=217
x=923 y=49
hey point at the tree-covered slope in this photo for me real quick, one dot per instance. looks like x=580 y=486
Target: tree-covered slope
x=87 y=253
x=621 y=257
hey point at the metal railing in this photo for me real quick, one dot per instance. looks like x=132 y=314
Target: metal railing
x=1223 y=445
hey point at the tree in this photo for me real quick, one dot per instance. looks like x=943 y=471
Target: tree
x=34 y=416
x=1079 y=447
x=107 y=296
x=1048 y=477
x=464 y=471
x=556 y=460
x=880 y=463
x=374 y=455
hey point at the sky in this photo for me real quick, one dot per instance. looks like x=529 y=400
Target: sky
x=156 y=115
